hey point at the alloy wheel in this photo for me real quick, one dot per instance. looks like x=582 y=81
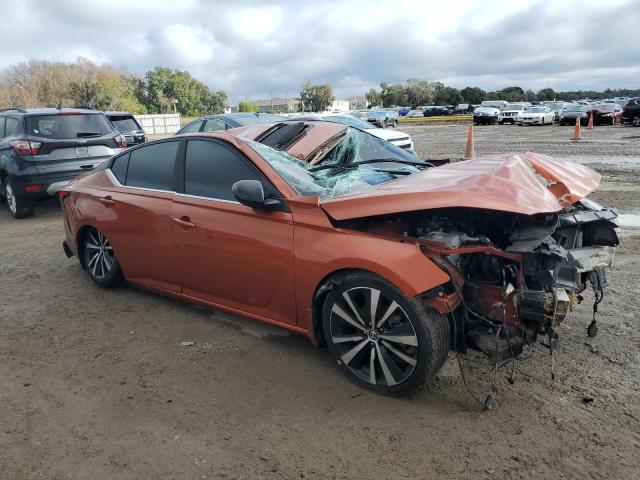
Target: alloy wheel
x=373 y=336
x=11 y=198
x=100 y=254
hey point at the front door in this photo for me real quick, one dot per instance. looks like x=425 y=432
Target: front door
x=230 y=254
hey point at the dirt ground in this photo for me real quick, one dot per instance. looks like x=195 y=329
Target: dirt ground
x=95 y=384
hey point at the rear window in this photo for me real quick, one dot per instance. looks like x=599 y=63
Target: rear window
x=152 y=166
x=124 y=123
x=60 y=126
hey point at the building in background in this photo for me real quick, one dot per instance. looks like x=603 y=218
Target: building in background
x=340 y=106
x=358 y=102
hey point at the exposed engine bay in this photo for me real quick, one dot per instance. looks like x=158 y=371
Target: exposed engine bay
x=513 y=277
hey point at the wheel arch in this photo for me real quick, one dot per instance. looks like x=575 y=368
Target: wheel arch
x=328 y=282
x=80 y=236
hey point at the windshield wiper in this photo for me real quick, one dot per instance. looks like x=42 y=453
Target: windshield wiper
x=347 y=166
x=88 y=134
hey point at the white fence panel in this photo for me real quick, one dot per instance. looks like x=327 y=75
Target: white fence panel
x=159 y=123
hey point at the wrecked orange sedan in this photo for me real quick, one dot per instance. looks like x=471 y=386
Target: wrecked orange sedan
x=361 y=246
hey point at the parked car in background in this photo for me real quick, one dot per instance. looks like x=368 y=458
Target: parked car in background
x=536 y=115
x=399 y=139
x=622 y=101
x=499 y=104
x=485 y=115
x=631 y=112
x=127 y=125
x=436 y=111
x=557 y=108
x=606 y=113
x=511 y=111
x=214 y=123
x=463 y=109
x=404 y=111
x=44 y=149
x=571 y=112
x=386 y=260
x=415 y=114
x=383 y=118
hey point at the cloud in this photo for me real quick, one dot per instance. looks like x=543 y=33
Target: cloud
x=262 y=48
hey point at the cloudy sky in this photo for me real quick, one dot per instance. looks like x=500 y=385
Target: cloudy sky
x=256 y=49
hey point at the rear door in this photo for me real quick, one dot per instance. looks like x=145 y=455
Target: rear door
x=230 y=254
x=140 y=205
x=71 y=143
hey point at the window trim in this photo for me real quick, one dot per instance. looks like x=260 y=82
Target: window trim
x=182 y=162
x=129 y=151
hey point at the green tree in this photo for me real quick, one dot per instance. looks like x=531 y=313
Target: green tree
x=443 y=95
x=393 y=94
x=547 y=94
x=247 y=107
x=194 y=98
x=416 y=92
x=316 y=98
x=473 y=95
x=373 y=97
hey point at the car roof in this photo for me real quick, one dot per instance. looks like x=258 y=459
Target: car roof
x=118 y=113
x=50 y=111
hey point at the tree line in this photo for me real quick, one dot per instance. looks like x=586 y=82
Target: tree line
x=82 y=83
x=415 y=92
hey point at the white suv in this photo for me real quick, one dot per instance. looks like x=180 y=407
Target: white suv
x=511 y=112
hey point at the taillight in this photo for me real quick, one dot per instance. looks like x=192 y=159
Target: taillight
x=121 y=141
x=33 y=188
x=62 y=194
x=25 y=147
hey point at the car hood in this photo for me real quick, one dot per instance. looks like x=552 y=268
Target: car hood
x=526 y=184
x=387 y=134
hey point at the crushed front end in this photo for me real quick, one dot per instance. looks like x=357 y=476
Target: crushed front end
x=514 y=277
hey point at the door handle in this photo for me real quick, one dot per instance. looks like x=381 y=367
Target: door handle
x=184 y=222
x=107 y=201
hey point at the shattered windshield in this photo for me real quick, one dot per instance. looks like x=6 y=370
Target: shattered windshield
x=334 y=181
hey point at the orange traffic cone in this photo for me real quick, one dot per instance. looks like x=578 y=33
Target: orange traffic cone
x=576 y=130
x=590 y=124
x=469 y=151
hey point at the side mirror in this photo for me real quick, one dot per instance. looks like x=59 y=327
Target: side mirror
x=251 y=194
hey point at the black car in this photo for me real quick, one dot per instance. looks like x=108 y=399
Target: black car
x=127 y=125
x=631 y=112
x=571 y=112
x=213 y=123
x=436 y=111
x=42 y=150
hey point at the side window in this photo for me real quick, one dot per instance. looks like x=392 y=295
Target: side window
x=192 y=127
x=119 y=168
x=214 y=126
x=153 y=166
x=2 y=120
x=10 y=127
x=212 y=168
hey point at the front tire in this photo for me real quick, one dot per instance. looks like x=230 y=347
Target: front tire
x=384 y=341
x=19 y=207
x=100 y=260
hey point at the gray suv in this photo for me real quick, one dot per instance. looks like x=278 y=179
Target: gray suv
x=42 y=150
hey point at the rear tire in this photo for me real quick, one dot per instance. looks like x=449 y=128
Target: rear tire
x=19 y=207
x=100 y=260
x=392 y=352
